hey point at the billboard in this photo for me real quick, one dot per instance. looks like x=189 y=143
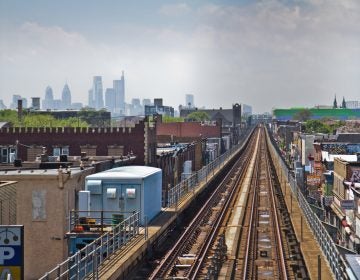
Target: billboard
x=12 y=252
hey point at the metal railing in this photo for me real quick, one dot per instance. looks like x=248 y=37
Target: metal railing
x=179 y=191
x=335 y=260
x=85 y=262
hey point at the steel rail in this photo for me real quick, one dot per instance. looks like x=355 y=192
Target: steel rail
x=248 y=268
x=201 y=256
x=279 y=247
x=252 y=224
x=172 y=254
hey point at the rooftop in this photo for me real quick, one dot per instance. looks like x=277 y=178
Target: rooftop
x=125 y=172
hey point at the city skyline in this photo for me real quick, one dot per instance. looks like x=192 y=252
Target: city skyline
x=262 y=53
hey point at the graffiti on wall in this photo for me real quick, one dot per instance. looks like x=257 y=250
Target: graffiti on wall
x=341 y=148
x=335 y=149
x=355 y=176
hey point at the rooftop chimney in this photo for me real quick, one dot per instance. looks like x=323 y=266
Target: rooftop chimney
x=20 y=109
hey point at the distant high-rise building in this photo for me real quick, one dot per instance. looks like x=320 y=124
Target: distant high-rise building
x=48 y=101
x=119 y=90
x=135 y=102
x=158 y=102
x=66 y=97
x=91 y=100
x=189 y=99
x=76 y=105
x=110 y=100
x=146 y=101
x=135 y=108
x=98 y=92
x=354 y=104
x=2 y=105
x=159 y=108
x=246 y=110
x=57 y=104
x=35 y=104
x=15 y=99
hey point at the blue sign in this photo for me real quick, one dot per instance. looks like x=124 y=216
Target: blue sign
x=12 y=251
x=347 y=204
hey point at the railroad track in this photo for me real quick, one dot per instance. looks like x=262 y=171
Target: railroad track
x=264 y=251
x=187 y=256
x=262 y=256
x=248 y=209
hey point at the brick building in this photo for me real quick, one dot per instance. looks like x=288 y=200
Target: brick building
x=170 y=132
x=138 y=139
x=230 y=119
x=41 y=201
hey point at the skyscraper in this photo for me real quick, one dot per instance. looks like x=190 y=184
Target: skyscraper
x=35 y=103
x=98 y=92
x=146 y=101
x=119 y=90
x=91 y=101
x=15 y=99
x=110 y=100
x=2 y=105
x=189 y=99
x=48 y=101
x=66 y=97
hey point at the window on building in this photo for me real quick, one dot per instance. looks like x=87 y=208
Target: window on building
x=4 y=155
x=65 y=151
x=7 y=155
x=57 y=151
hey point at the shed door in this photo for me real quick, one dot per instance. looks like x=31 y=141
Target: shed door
x=132 y=197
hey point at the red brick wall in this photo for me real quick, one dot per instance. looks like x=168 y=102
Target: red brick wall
x=131 y=138
x=188 y=129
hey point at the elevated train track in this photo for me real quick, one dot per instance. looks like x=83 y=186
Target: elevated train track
x=241 y=232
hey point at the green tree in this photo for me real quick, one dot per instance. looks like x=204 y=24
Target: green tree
x=316 y=126
x=32 y=119
x=169 y=119
x=39 y=120
x=198 y=116
x=8 y=115
x=302 y=115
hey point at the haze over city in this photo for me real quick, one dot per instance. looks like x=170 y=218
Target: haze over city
x=263 y=53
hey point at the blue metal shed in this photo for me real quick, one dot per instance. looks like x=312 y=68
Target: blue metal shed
x=125 y=189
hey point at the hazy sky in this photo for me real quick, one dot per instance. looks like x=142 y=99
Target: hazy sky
x=263 y=53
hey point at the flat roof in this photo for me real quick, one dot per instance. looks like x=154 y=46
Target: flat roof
x=125 y=172
x=37 y=172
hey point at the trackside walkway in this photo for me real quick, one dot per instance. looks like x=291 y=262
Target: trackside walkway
x=309 y=247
